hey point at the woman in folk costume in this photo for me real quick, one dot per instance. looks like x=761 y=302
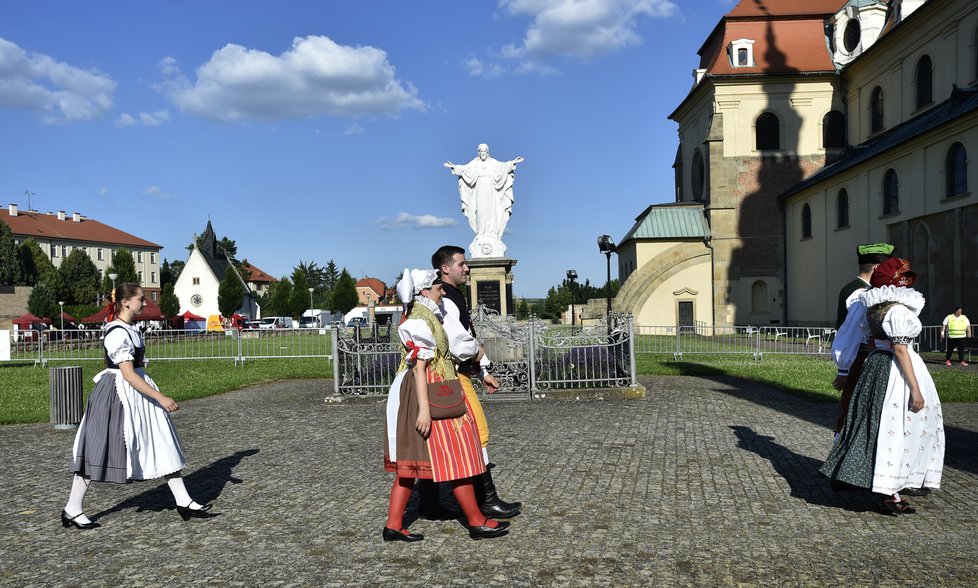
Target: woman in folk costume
x=126 y=433
x=893 y=436
x=443 y=450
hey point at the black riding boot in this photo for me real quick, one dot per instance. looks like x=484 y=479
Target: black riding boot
x=489 y=502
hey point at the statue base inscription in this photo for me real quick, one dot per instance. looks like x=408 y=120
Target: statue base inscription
x=491 y=283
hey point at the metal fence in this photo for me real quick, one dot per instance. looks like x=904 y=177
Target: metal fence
x=41 y=347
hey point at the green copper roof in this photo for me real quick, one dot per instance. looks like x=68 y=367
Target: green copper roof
x=670 y=221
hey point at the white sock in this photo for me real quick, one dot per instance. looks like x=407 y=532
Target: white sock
x=180 y=493
x=79 y=486
x=485 y=455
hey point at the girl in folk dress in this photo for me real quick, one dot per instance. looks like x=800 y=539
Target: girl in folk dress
x=126 y=433
x=418 y=446
x=893 y=438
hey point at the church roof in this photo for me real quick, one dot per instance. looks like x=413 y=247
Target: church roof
x=963 y=101
x=751 y=8
x=670 y=221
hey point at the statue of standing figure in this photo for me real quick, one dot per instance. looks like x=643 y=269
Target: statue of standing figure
x=486 y=188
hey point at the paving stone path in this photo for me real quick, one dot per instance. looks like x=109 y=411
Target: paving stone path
x=708 y=482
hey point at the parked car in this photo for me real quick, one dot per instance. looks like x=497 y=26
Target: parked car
x=275 y=322
x=309 y=322
x=250 y=325
x=357 y=321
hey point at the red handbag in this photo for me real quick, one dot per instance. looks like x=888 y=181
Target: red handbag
x=446 y=400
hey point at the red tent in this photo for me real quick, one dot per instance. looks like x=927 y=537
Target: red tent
x=25 y=322
x=150 y=312
x=189 y=316
x=68 y=318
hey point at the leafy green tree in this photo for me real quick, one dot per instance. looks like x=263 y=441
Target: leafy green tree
x=9 y=260
x=558 y=299
x=522 y=309
x=79 y=278
x=280 y=296
x=230 y=294
x=124 y=266
x=35 y=265
x=41 y=303
x=345 y=293
x=299 y=300
x=169 y=303
x=166 y=274
x=176 y=268
x=330 y=275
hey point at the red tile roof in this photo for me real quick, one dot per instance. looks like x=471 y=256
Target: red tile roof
x=374 y=284
x=749 y=8
x=256 y=275
x=47 y=226
x=780 y=46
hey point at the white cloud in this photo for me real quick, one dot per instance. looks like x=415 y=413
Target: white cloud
x=156 y=192
x=58 y=91
x=478 y=68
x=578 y=29
x=103 y=192
x=315 y=77
x=354 y=129
x=424 y=221
x=145 y=119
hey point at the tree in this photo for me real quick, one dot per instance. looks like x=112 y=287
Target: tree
x=230 y=294
x=279 y=297
x=299 y=300
x=79 y=279
x=225 y=246
x=169 y=304
x=124 y=266
x=345 y=293
x=558 y=299
x=41 y=302
x=522 y=309
x=35 y=265
x=9 y=260
x=166 y=274
x=176 y=268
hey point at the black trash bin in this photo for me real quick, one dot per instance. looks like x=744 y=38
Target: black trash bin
x=66 y=397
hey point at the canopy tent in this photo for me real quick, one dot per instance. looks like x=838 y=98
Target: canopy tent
x=25 y=322
x=67 y=317
x=150 y=312
x=189 y=316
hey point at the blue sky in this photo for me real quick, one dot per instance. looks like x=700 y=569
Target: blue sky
x=316 y=130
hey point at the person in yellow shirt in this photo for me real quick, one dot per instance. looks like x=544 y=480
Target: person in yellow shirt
x=957 y=329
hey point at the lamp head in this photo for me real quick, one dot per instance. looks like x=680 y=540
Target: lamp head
x=572 y=275
x=606 y=244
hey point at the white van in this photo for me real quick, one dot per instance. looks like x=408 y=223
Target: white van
x=275 y=322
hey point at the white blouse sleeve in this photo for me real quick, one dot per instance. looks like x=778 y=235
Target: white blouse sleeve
x=901 y=325
x=461 y=344
x=418 y=338
x=119 y=346
x=850 y=336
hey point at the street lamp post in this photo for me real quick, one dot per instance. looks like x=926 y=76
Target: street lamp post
x=61 y=303
x=113 y=276
x=607 y=246
x=310 y=303
x=571 y=277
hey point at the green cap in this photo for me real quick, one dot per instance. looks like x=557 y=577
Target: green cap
x=874 y=252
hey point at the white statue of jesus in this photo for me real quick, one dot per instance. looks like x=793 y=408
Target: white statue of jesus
x=486 y=188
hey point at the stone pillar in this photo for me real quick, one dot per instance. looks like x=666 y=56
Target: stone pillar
x=491 y=283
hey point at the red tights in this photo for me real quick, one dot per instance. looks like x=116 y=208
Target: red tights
x=462 y=489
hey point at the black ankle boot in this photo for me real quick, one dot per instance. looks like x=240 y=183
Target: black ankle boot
x=489 y=502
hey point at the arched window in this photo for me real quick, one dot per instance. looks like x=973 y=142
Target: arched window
x=925 y=81
x=891 y=192
x=876 y=110
x=767 y=131
x=956 y=171
x=758 y=297
x=698 y=177
x=833 y=130
x=806 y=221
x=842 y=209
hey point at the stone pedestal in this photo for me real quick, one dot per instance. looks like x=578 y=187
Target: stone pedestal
x=491 y=283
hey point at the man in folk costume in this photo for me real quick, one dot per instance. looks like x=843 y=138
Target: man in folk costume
x=450 y=261
x=869 y=258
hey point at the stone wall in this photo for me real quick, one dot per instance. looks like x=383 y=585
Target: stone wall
x=13 y=303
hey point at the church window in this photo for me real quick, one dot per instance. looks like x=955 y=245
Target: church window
x=742 y=57
x=196 y=281
x=698 y=176
x=806 y=221
x=842 y=209
x=851 y=35
x=924 y=79
x=833 y=130
x=876 y=110
x=891 y=192
x=742 y=53
x=956 y=171
x=767 y=131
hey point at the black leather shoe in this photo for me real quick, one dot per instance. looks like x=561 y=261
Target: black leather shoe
x=67 y=521
x=916 y=491
x=483 y=532
x=187 y=513
x=499 y=509
x=392 y=535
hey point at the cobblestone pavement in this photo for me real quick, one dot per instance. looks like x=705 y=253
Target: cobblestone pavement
x=708 y=482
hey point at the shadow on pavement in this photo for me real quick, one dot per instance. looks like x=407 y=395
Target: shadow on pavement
x=205 y=485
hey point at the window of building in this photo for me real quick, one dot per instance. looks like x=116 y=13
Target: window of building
x=956 y=171
x=759 y=297
x=833 y=130
x=153 y=296
x=842 y=209
x=742 y=57
x=152 y=257
x=851 y=35
x=152 y=277
x=196 y=281
x=925 y=81
x=139 y=257
x=54 y=250
x=100 y=277
x=767 y=132
x=891 y=192
x=100 y=254
x=140 y=277
x=876 y=110
x=742 y=53
x=806 y=221
x=698 y=178
x=64 y=251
